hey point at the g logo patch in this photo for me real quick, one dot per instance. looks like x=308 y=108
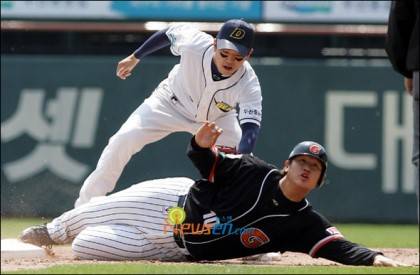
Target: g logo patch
x=253 y=238
x=237 y=33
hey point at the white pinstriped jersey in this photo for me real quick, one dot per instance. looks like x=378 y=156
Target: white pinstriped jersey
x=202 y=97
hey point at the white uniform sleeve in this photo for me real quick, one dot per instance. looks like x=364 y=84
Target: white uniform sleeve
x=184 y=35
x=250 y=102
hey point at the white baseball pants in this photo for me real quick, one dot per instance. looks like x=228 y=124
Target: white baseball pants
x=153 y=120
x=128 y=225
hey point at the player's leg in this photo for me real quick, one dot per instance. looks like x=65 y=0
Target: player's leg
x=150 y=122
x=143 y=205
x=232 y=132
x=122 y=242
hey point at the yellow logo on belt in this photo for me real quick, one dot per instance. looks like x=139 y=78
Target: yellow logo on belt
x=223 y=106
x=176 y=215
x=237 y=33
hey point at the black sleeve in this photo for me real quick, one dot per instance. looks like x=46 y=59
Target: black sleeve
x=400 y=27
x=346 y=252
x=319 y=238
x=204 y=159
x=155 y=42
x=212 y=164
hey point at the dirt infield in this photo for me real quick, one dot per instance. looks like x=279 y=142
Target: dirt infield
x=63 y=255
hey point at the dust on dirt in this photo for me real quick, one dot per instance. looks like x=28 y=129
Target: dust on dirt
x=62 y=254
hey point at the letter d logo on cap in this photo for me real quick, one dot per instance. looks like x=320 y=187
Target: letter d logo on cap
x=237 y=33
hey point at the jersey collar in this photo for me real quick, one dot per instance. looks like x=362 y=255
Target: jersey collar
x=208 y=56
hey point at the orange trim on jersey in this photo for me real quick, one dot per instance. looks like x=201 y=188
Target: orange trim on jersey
x=213 y=168
x=323 y=242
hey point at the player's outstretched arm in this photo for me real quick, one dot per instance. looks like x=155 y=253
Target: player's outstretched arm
x=381 y=260
x=156 y=42
x=126 y=66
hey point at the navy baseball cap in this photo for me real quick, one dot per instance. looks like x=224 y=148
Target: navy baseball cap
x=237 y=35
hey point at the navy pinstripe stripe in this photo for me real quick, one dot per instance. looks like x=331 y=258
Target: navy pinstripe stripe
x=99 y=204
x=113 y=234
x=161 y=238
x=136 y=196
x=134 y=232
x=156 y=192
x=121 y=221
x=93 y=255
x=113 y=214
x=107 y=252
x=81 y=218
x=115 y=241
x=177 y=188
x=181 y=186
x=95 y=223
x=117 y=207
x=170 y=240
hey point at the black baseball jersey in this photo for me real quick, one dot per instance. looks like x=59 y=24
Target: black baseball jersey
x=239 y=210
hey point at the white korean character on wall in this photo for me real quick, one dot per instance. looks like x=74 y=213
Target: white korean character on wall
x=52 y=129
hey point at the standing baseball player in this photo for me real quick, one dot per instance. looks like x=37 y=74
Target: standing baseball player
x=212 y=78
x=403 y=46
x=243 y=206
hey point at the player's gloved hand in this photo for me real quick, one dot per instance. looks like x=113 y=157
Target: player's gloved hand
x=381 y=260
x=126 y=65
x=227 y=149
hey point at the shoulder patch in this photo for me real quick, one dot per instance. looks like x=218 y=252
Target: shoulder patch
x=333 y=231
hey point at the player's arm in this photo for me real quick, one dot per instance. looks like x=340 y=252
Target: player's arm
x=202 y=150
x=250 y=133
x=400 y=25
x=205 y=155
x=348 y=253
x=154 y=43
x=323 y=240
x=250 y=115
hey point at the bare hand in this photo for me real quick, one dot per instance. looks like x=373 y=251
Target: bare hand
x=207 y=134
x=381 y=260
x=408 y=85
x=126 y=65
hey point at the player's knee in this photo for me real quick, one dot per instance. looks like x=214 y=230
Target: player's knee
x=80 y=250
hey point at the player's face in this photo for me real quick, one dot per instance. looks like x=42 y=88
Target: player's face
x=305 y=172
x=228 y=61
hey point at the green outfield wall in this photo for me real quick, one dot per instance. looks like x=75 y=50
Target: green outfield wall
x=57 y=114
